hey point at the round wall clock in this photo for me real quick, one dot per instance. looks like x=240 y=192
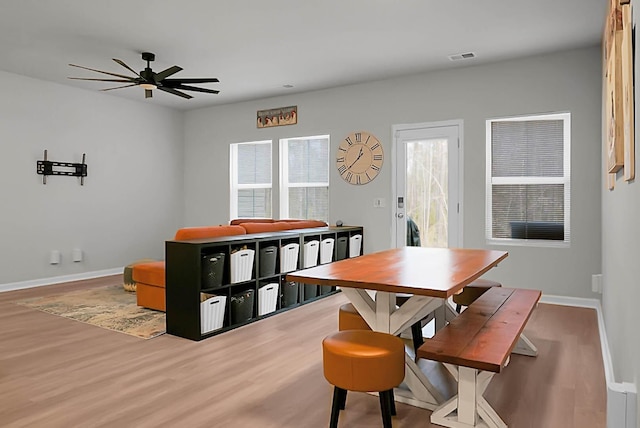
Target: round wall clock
x=359 y=158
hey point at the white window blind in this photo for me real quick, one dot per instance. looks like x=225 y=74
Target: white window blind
x=528 y=179
x=304 y=178
x=250 y=168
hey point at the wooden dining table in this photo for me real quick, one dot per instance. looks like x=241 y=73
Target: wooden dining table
x=429 y=275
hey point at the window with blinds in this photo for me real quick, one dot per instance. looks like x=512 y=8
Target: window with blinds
x=250 y=169
x=304 y=178
x=528 y=179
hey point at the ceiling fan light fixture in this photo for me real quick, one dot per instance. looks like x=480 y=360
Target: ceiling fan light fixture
x=149 y=80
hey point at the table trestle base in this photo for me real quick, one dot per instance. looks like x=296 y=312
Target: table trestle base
x=468 y=408
x=525 y=347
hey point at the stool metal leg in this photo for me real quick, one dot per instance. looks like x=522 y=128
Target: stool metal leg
x=416 y=334
x=392 y=402
x=335 y=406
x=385 y=406
x=343 y=398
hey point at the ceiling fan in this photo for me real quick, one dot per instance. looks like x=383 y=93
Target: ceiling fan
x=149 y=80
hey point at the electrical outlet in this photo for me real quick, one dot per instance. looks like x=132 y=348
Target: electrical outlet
x=54 y=257
x=76 y=255
x=596 y=283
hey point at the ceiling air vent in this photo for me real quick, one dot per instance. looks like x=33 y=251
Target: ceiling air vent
x=467 y=55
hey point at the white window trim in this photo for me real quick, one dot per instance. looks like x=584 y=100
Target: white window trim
x=233 y=177
x=565 y=180
x=284 y=173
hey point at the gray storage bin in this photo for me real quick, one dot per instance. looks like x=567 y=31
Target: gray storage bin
x=288 y=294
x=342 y=247
x=310 y=291
x=325 y=289
x=241 y=306
x=212 y=270
x=268 y=260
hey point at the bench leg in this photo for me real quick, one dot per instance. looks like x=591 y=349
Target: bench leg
x=525 y=347
x=468 y=408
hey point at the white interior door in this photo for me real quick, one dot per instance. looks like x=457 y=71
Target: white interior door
x=427 y=190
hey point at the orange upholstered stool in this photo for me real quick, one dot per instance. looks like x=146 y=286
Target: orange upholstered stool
x=350 y=319
x=150 y=285
x=472 y=291
x=366 y=361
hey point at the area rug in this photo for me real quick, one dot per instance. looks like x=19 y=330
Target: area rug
x=109 y=307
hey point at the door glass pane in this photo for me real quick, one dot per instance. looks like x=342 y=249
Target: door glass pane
x=427 y=179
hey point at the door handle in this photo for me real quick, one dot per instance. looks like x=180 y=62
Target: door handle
x=400 y=215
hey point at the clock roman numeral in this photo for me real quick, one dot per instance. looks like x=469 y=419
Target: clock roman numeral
x=377 y=157
x=367 y=174
x=375 y=167
x=342 y=169
x=342 y=149
x=348 y=140
x=375 y=146
x=368 y=136
x=340 y=159
x=358 y=179
x=349 y=175
x=358 y=137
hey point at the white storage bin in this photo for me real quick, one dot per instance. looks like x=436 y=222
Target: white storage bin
x=212 y=313
x=354 y=245
x=267 y=298
x=241 y=265
x=326 y=251
x=289 y=257
x=311 y=253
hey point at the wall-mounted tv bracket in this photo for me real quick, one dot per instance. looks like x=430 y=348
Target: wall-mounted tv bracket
x=47 y=167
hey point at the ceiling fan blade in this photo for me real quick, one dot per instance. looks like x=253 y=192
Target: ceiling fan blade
x=102 y=80
x=118 y=87
x=174 y=92
x=193 y=88
x=168 y=72
x=125 y=66
x=192 y=80
x=148 y=93
x=100 y=71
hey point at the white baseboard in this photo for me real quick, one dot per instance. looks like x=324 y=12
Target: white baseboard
x=58 y=279
x=621 y=396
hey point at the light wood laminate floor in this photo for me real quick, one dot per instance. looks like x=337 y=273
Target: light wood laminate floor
x=56 y=372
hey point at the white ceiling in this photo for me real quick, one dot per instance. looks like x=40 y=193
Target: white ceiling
x=256 y=47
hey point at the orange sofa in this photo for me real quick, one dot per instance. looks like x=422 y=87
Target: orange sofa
x=150 y=277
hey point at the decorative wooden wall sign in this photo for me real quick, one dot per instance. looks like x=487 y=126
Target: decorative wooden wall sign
x=277 y=117
x=618 y=83
x=627 y=93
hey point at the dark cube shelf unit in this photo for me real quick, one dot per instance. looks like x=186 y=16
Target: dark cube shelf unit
x=185 y=282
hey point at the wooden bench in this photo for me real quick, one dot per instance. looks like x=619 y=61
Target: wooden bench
x=474 y=347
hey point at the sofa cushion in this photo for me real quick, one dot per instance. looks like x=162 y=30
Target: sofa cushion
x=265 y=227
x=304 y=224
x=149 y=273
x=251 y=220
x=151 y=297
x=208 y=232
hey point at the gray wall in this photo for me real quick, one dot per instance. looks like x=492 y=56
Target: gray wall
x=621 y=266
x=131 y=200
x=566 y=81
